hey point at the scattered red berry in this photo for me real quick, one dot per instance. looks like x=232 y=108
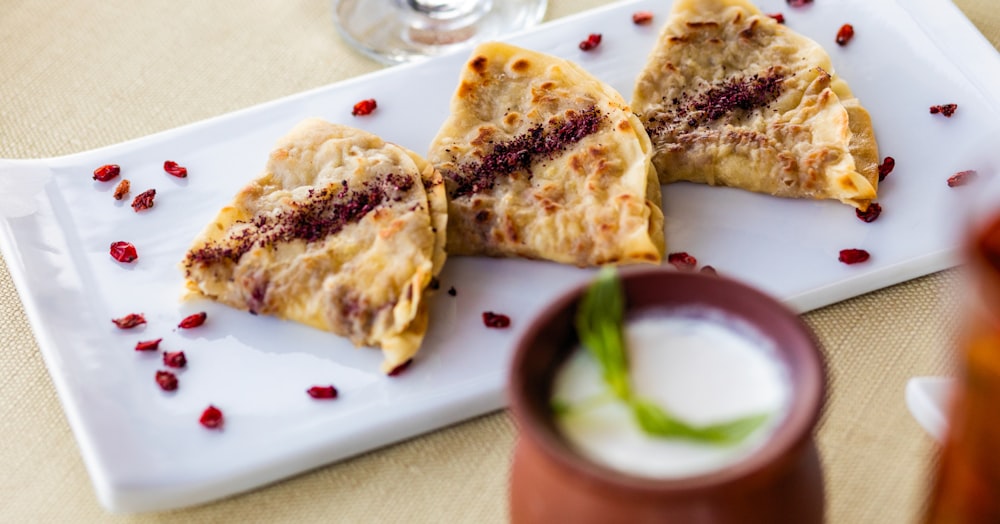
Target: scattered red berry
x=174 y=359
x=166 y=380
x=143 y=200
x=123 y=252
x=107 y=172
x=452 y=291
x=129 y=321
x=853 y=256
x=870 y=214
x=946 y=109
x=961 y=178
x=886 y=167
x=211 y=418
x=682 y=261
x=495 y=320
x=709 y=270
x=799 y=3
x=593 y=40
x=193 y=321
x=122 y=189
x=396 y=371
x=845 y=34
x=173 y=168
x=642 y=17
x=364 y=107
x=322 y=392
x=148 y=345
x=780 y=18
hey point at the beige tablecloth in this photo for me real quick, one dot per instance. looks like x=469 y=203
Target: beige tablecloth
x=76 y=75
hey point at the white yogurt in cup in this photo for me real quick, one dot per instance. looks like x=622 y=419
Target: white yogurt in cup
x=701 y=366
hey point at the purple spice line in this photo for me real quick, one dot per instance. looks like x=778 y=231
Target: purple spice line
x=721 y=99
x=519 y=153
x=324 y=212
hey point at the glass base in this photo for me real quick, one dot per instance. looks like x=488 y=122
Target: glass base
x=398 y=31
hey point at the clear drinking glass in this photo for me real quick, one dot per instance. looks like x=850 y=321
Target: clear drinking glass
x=397 y=31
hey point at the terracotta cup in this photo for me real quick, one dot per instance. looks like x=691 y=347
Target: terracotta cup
x=780 y=482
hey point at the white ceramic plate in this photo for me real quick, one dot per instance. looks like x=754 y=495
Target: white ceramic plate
x=145 y=449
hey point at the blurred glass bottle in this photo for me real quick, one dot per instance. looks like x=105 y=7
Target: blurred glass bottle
x=967 y=485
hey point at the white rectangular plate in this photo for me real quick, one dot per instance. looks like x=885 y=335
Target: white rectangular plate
x=145 y=449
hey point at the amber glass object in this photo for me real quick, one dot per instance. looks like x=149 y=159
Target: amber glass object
x=967 y=485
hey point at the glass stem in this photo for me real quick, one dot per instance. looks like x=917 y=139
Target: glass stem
x=446 y=9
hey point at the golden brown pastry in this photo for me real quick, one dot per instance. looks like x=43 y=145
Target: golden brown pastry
x=342 y=231
x=731 y=97
x=542 y=160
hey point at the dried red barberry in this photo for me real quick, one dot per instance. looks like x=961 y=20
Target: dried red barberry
x=193 y=321
x=709 y=270
x=172 y=168
x=174 y=359
x=148 y=345
x=122 y=189
x=642 y=17
x=886 y=167
x=495 y=320
x=946 y=109
x=396 y=371
x=166 y=380
x=798 y=3
x=870 y=214
x=593 y=40
x=853 y=256
x=364 y=107
x=123 y=251
x=211 y=418
x=961 y=178
x=322 y=392
x=682 y=260
x=780 y=18
x=845 y=34
x=452 y=291
x=107 y=172
x=143 y=200
x=129 y=321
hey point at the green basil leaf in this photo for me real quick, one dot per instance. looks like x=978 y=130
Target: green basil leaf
x=734 y=431
x=599 y=319
x=657 y=422
x=560 y=407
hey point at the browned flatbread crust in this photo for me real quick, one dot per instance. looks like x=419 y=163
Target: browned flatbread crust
x=343 y=232
x=541 y=160
x=731 y=97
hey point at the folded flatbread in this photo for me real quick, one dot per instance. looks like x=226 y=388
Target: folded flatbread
x=731 y=97
x=343 y=231
x=542 y=160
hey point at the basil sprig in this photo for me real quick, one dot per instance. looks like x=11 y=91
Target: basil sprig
x=600 y=322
